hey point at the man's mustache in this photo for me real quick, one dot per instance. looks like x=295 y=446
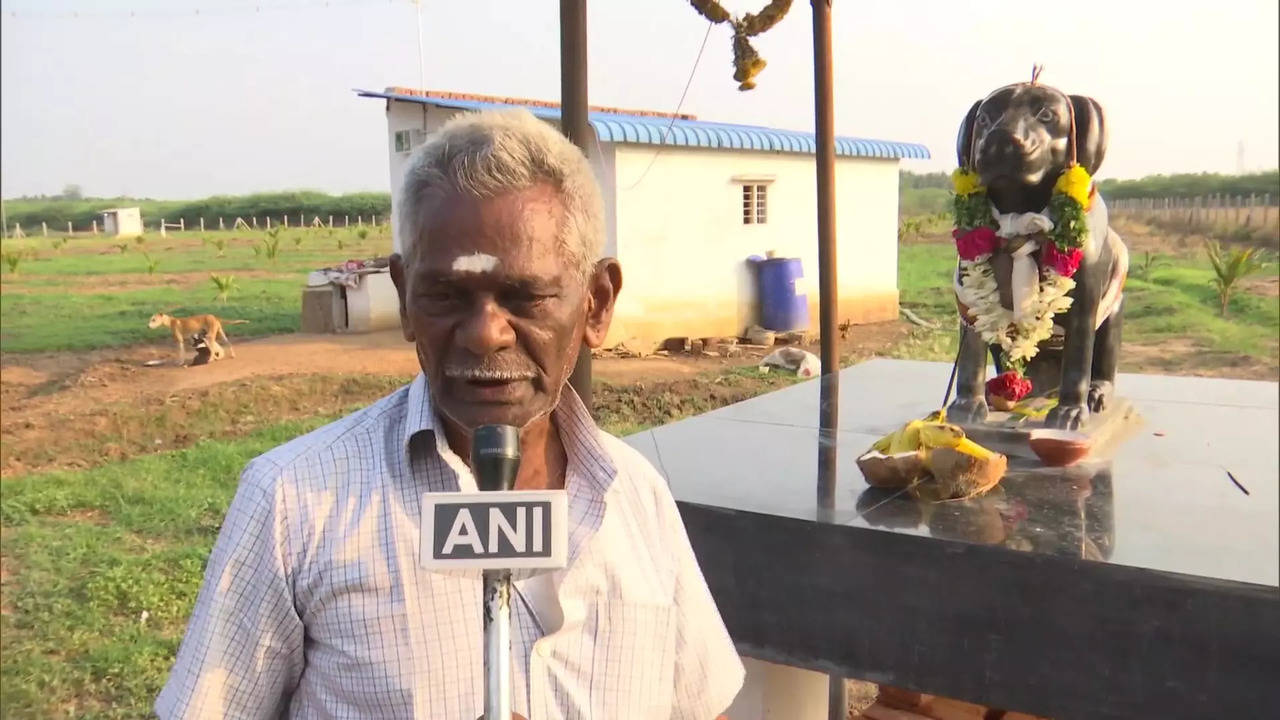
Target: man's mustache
x=495 y=368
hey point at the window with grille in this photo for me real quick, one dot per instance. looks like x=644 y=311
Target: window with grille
x=755 y=206
x=407 y=140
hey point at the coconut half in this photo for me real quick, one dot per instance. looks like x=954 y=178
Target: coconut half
x=891 y=471
x=960 y=475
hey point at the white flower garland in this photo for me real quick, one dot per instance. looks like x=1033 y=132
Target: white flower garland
x=1020 y=341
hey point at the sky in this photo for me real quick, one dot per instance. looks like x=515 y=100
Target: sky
x=187 y=98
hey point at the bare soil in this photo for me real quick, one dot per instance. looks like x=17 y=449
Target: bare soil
x=1180 y=356
x=76 y=410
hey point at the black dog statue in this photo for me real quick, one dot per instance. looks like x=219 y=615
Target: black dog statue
x=1019 y=140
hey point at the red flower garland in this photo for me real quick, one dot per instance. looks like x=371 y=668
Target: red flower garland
x=975 y=243
x=1010 y=385
x=1064 y=262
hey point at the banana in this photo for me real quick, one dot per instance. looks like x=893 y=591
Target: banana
x=969 y=447
x=932 y=431
x=1034 y=408
x=882 y=445
x=938 y=434
x=907 y=439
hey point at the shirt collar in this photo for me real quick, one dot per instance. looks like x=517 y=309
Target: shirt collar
x=588 y=459
x=420 y=414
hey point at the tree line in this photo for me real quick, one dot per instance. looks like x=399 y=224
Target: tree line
x=81 y=212
x=919 y=194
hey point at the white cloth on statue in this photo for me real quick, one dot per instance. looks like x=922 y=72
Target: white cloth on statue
x=1024 y=281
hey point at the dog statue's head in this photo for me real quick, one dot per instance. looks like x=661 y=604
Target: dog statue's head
x=158 y=320
x=1021 y=137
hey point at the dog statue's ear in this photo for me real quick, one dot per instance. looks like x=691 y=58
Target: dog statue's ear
x=964 y=140
x=1091 y=132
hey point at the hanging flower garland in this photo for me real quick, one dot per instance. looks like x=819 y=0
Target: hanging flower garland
x=976 y=240
x=747 y=62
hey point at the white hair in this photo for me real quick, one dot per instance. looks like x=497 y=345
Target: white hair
x=488 y=153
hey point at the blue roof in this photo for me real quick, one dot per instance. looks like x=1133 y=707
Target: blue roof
x=649 y=130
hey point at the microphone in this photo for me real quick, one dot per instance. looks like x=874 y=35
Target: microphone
x=496 y=530
x=495 y=459
x=495 y=456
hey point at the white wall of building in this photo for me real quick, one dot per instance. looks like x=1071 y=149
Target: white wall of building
x=675 y=223
x=403 y=116
x=683 y=244
x=425 y=119
x=122 y=222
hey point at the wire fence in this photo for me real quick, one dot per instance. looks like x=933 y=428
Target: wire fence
x=164 y=226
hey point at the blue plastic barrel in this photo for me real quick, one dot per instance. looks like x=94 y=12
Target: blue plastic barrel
x=781 y=309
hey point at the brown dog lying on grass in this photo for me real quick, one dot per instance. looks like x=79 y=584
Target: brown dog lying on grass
x=209 y=326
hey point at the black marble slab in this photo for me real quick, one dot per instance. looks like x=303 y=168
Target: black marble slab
x=1142 y=584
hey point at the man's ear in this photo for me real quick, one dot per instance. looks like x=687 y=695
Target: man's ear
x=397 y=277
x=602 y=292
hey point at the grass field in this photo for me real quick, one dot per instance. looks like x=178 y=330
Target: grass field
x=94 y=292
x=109 y=561
x=1172 y=300
x=100 y=562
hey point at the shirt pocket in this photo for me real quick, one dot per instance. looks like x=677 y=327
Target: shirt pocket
x=633 y=673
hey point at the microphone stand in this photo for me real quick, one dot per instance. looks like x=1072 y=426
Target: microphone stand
x=495 y=458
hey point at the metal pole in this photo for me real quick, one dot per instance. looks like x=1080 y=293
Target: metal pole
x=422 y=60
x=829 y=390
x=573 y=123
x=497 y=643
x=495 y=461
x=829 y=393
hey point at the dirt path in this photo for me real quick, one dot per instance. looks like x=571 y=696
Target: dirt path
x=70 y=410
x=68 y=383
x=119 y=374
x=79 y=409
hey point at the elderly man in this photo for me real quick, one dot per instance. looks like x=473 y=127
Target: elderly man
x=313 y=603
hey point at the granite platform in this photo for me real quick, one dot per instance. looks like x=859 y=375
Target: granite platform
x=1140 y=583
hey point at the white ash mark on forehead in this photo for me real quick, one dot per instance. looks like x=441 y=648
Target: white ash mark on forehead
x=475 y=263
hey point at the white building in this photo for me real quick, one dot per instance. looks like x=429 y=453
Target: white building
x=683 y=214
x=122 y=222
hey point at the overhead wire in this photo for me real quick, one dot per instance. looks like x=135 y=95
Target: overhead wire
x=674 y=115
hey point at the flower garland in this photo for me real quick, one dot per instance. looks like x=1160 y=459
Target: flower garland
x=747 y=62
x=976 y=240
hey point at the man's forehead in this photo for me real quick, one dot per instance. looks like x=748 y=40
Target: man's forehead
x=512 y=232
x=516 y=267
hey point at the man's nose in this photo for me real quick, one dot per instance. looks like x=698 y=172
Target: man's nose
x=487 y=329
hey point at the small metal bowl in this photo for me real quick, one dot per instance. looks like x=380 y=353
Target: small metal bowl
x=1059 y=448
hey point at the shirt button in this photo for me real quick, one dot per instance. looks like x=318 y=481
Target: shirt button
x=544 y=650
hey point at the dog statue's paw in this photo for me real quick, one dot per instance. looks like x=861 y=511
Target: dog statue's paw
x=1100 y=393
x=967 y=410
x=1067 y=417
